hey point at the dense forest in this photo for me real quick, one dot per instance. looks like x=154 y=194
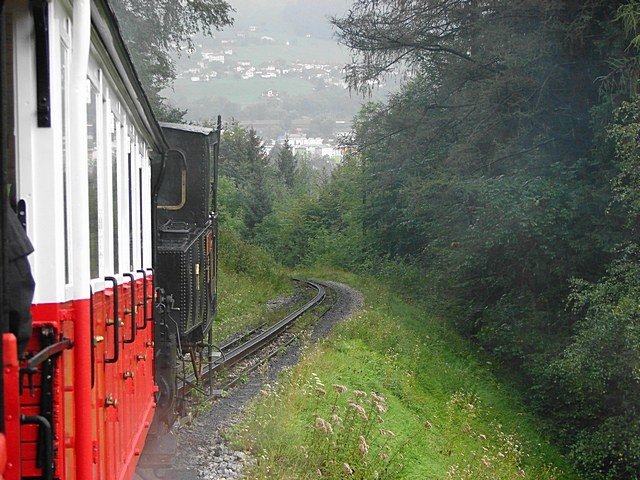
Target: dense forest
x=502 y=180
x=502 y=183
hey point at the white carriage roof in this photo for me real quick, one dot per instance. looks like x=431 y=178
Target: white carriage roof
x=188 y=128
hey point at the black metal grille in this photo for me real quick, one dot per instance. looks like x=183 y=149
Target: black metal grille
x=185 y=271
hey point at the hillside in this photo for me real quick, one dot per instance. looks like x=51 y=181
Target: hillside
x=442 y=409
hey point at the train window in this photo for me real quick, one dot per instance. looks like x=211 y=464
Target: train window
x=173 y=191
x=64 y=84
x=141 y=216
x=134 y=212
x=123 y=207
x=130 y=209
x=92 y=160
x=115 y=155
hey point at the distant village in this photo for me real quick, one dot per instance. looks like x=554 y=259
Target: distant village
x=308 y=147
x=218 y=59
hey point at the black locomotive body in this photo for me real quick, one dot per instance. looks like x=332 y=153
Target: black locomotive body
x=187 y=229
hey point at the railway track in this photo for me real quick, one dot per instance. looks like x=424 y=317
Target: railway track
x=160 y=458
x=157 y=459
x=236 y=350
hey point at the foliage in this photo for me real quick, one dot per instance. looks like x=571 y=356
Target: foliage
x=243 y=159
x=247 y=279
x=596 y=377
x=287 y=165
x=598 y=373
x=229 y=205
x=502 y=179
x=153 y=30
x=444 y=414
x=265 y=198
x=351 y=441
x=625 y=133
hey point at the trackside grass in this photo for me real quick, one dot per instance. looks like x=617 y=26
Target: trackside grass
x=247 y=279
x=393 y=393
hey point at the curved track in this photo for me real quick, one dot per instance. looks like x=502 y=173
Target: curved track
x=201 y=451
x=231 y=353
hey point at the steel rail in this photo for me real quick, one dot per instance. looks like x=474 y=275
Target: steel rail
x=242 y=351
x=226 y=346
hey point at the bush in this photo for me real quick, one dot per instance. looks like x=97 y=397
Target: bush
x=241 y=257
x=593 y=387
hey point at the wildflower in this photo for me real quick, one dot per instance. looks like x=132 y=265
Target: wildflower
x=318 y=472
x=359 y=393
x=381 y=408
x=322 y=424
x=264 y=393
x=428 y=425
x=360 y=410
x=321 y=392
x=317 y=380
x=339 y=388
x=486 y=462
x=378 y=398
x=362 y=445
x=383 y=456
x=347 y=469
x=384 y=433
x=482 y=436
x=336 y=419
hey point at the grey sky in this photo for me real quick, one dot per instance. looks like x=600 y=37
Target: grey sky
x=289 y=15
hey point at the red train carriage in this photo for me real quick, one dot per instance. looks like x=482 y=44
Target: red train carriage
x=77 y=137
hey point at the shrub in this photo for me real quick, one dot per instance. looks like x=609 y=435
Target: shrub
x=594 y=385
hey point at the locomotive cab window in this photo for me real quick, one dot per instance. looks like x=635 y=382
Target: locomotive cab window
x=173 y=191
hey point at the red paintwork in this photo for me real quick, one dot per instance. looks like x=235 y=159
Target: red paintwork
x=10 y=372
x=3 y=454
x=102 y=411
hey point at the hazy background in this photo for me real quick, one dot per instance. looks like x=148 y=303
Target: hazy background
x=294 y=39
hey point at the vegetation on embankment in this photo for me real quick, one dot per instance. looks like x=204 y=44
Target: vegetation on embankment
x=502 y=179
x=394 y=393
x=247 y=279
x=432 y=406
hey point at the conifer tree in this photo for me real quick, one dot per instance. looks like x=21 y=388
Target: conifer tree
x=287 y=164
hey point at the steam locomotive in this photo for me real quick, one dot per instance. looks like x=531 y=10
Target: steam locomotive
x=121 y=212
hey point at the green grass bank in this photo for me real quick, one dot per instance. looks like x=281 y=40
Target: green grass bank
x=394 y=393
x=247 y=279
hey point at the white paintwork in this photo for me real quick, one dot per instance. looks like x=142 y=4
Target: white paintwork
x=81 y=35
x=39 y=166
x=40 y=159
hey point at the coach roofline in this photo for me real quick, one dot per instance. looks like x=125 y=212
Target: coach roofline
x=105 y=26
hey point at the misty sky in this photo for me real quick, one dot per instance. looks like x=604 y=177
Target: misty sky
x=289 y=16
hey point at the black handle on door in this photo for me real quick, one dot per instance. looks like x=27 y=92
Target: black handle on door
x=116 y=322
x=132 y=277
